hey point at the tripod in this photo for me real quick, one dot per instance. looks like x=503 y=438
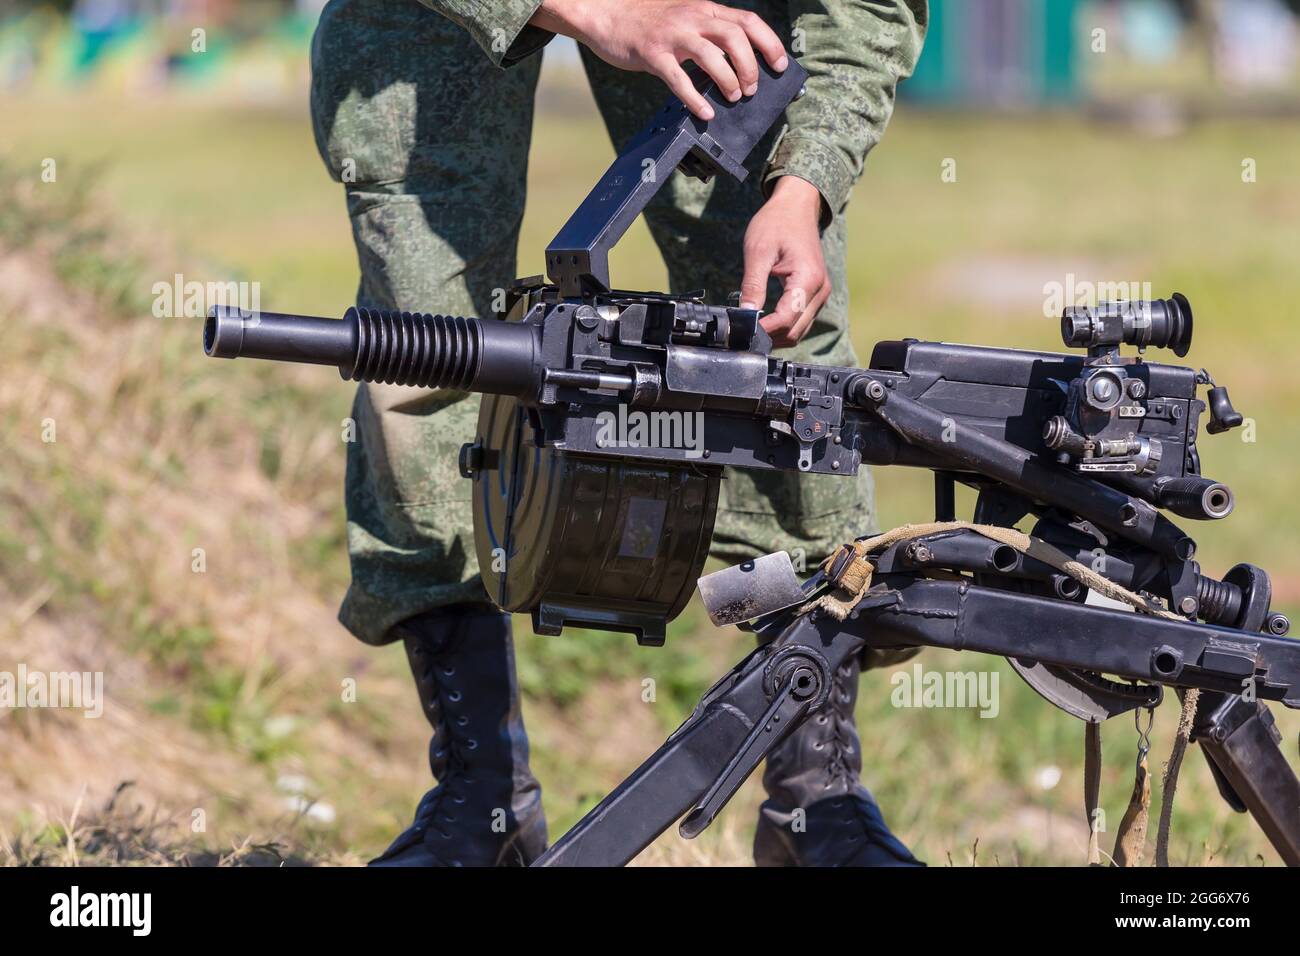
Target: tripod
x=775 y=688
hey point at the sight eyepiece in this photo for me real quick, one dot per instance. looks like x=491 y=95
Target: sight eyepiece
x=1161 y=323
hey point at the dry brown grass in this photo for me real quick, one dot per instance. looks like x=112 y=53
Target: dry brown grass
x=224 y=687
x=123 y=832
x=207 y=675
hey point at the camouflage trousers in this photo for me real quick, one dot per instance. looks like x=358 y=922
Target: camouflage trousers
x=431 y=142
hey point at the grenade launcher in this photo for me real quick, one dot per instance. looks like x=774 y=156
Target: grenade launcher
x=608 y=416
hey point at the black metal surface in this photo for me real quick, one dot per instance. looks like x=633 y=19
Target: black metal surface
x=1018 y=468
x=586 y=541
x=706 y=758
x=577 y=259
x=963 y=616
x=580 y=530
x=373 y=345
x=1194 y=496
x=1161 y=323
x=231 y=332
x=1241 y=741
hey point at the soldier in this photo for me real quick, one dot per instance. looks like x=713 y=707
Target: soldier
x=425 y=114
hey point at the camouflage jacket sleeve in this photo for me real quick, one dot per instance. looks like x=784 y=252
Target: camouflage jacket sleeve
x=855 y=52
x=500 y=28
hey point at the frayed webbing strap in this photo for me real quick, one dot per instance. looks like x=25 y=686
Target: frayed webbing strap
x=853 y=567
x=1130 y=841
x=1172 y=766
x=1092 y=789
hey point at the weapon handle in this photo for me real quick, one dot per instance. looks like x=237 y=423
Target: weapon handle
x=788 y=709
x=577 y=259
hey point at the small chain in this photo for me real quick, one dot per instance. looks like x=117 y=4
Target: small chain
x=1144 y=734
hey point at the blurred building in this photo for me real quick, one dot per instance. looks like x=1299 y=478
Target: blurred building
x=239 y=47
x=985 y=54
x=1004 y=53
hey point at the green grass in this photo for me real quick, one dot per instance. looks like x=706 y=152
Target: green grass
x=228 y=191
x=242 y=191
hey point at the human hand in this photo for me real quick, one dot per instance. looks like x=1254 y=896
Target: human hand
x=784 y=240
x=657 y=36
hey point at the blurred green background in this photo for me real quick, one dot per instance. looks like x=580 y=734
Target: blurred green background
x=1158 y=159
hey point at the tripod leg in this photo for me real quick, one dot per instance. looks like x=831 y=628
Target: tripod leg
x=742 y=718
x=1241 y=741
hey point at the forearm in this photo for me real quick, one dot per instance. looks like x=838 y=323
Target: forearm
x=855 y=54
x=567 y=17
x=503 y=28
x=658 y=36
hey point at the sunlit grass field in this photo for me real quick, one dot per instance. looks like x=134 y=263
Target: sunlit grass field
x=230 y=678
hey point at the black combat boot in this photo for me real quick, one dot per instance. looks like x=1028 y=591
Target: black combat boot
x=818 y=813
x=487 y=807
